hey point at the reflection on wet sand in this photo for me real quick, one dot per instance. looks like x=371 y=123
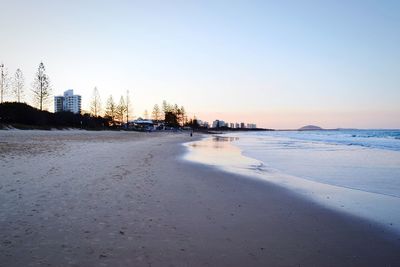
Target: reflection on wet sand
x=219 y=151
x=225 y=138
x=218 y=142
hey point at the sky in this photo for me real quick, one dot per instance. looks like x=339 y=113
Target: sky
x=280 y=64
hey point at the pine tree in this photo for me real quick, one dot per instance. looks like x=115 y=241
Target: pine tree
x=165 y=108
x=156 y=114
x=121 y=109
x=41 y=87
x=3 y=82
x=111 y=108
x=18 y=86
x=128 y=106
x=95 y=105
x=182 y=117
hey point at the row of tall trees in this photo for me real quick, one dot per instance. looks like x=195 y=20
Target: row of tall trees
x=41 y=90
x=15 y=86
x=172 y=114
x=118 y=113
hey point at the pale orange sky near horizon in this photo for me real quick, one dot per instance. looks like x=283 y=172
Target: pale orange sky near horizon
x=278 y=64
x=292 y=119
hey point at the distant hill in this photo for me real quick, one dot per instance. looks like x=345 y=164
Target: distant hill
x=310 y=128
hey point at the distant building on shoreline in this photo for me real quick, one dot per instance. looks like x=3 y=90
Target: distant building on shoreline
x=203 y=123
x=68 y=102
x=218 y=124
x=231 y=125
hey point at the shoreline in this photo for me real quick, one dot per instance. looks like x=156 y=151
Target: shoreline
x=133 y=200
x=222 y=153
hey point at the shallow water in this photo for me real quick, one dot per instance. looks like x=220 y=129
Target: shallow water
x=359 y=180
x=330 y=158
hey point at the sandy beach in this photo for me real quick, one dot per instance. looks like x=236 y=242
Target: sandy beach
x=79 y=198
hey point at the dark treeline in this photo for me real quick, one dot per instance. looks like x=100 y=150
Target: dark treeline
x=21 y=115
x=24 y=116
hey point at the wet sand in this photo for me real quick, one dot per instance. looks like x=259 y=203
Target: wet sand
x=72 y=198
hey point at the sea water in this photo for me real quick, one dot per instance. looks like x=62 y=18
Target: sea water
x=353 y=171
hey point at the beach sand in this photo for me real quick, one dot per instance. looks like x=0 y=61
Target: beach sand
x=78 y=198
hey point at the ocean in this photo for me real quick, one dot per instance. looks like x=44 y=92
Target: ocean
x=352 y=171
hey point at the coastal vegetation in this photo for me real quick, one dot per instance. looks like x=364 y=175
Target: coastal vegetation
x=24 y=116
x=114 y=116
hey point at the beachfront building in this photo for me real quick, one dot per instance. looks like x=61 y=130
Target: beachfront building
x=58 y=103
x=251 y=126
x=218 y=123
x=68 y=102
x=203 y=123
x=143 y=125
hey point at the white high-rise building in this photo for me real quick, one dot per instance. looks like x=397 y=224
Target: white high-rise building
x=68 y=102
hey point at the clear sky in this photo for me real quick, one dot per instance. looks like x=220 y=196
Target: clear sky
x=280 y=64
